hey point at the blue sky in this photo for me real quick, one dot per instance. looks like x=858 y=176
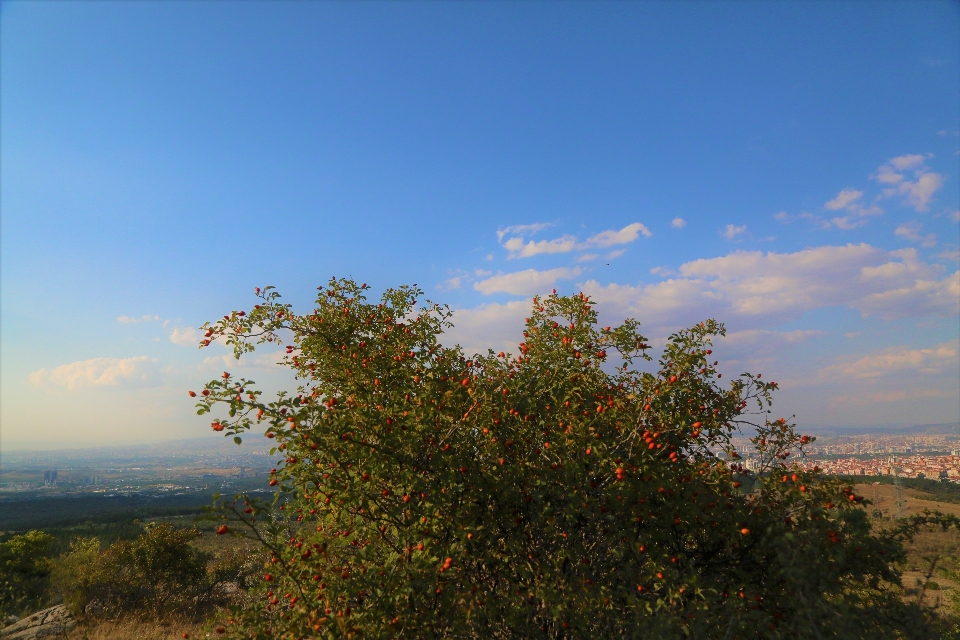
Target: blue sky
x=788 y=168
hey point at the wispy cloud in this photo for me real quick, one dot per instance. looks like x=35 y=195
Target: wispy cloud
x=525 y=282
x=517 y=247
x=678 y=223
x=624 y=236
x=523 y=229
x=843 y=199
x=732 y=231
x=912 y=231
x=952 y=256
x=450 y=284
x=893 y=174
x=916 y=193
x=186 y=336
x=99 y=372
x=753 y=286
x=849 y=200
x=897 y=360
x=133 y=319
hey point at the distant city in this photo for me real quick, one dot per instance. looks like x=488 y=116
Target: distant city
x=924 y=451
x=172 y=468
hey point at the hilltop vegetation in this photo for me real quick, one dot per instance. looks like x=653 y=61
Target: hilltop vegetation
x=159 y=574
x=557 y=493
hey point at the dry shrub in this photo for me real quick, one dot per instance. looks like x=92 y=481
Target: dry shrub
x=157 y=576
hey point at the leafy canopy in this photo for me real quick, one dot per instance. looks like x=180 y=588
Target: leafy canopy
x=24 y=572
x=558 y=492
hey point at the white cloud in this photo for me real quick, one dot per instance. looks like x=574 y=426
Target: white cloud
x=518 y=249
x=843 y=199
x=265 y=361
x=953 y=256
x=490 y=326
x=525 y=282
x=848 y=199
x=750 y=338
x=587 y=257
x=624 y=236
x=523 y=229
x=187 y=336
x=907 y=161
x=757 y=287
x=99 y=372
x=615 y=254
x=130 y=320
x=450 y=283
x=482 y=273
x=731 y=231
x=678 y=223
x=911 y=231
x=897 y=360
x=845 y=222
x=759 y=349
x=858 y=218
x=922 y=297
x=918 y=193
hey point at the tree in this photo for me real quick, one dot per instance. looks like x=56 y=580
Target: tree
x=557 y=493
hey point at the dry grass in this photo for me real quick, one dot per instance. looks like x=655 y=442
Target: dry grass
x=928 y=551
x=211 y=543
x=137 y=630
x=884 y=498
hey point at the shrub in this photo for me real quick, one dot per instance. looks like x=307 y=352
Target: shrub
x=157 y=574
x=72 y=570
x=557 y=493
x=24 y=572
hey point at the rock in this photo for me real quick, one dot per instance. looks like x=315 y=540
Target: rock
x=51 y=622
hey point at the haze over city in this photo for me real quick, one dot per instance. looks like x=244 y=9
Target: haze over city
x=789 y=169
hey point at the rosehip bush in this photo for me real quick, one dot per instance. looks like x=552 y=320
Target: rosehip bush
x=559 y=492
